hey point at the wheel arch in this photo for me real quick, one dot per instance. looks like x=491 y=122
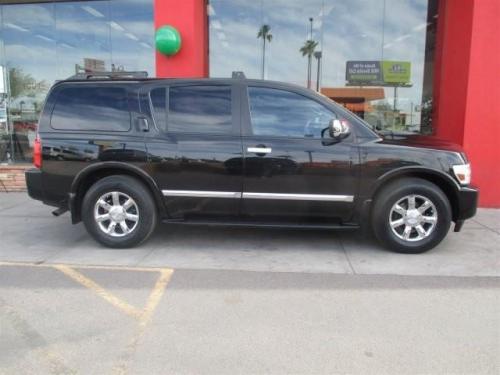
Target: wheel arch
x=91 y=174
x=445 y=182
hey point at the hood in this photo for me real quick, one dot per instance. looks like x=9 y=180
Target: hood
x=422 y=141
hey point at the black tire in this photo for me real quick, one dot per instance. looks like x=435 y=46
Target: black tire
x=397 y=192
x=144 y=207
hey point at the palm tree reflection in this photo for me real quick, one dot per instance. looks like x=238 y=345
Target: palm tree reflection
x=308 y=50
x=265 y=34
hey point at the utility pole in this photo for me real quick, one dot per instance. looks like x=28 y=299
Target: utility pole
x=318 y=55
x=309 y=67
x=394 y=107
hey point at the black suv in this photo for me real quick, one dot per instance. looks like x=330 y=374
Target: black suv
x=123 y=153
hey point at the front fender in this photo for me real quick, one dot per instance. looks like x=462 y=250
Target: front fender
x=412 y=171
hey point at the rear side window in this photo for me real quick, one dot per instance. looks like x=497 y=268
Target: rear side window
x=159 y=103
x=93 y=108
x=200 y=109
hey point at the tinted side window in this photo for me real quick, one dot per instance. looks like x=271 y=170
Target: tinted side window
x=159 y=103
x=286 y=114
x=200 y=109
x=94 y=108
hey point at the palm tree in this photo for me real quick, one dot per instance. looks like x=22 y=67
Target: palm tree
x=265 y=34
x=308 y=50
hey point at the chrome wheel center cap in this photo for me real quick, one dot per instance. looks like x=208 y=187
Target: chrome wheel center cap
x=413 y=217
x=117 y=213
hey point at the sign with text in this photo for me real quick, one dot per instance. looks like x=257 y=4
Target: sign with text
x=378 y=73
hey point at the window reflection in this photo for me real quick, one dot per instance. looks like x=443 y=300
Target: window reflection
x=91 y=109
x=200 y=109
x=45 y=42
x=279 y=113
x=312 y=42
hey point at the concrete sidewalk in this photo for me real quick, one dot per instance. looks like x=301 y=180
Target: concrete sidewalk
x=29 y=233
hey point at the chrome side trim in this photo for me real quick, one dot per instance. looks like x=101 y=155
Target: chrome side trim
x=237 y=195
x=300 y=197
x=201 y=194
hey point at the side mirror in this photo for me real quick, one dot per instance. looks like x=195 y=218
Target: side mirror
x=339 y=129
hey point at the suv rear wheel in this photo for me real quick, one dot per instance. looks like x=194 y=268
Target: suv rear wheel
x=119 y=211
x=411 y=216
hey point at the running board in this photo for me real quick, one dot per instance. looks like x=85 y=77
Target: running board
x=255 y=224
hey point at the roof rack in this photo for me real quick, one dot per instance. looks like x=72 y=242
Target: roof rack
x=108 y=75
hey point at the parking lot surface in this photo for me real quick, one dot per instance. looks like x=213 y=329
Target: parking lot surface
x=226 y=301
x=30 y=233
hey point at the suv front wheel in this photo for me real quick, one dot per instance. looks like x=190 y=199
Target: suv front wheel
x=119 y=211
x=411 y=216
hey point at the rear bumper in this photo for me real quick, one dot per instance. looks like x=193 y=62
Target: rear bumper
x=34 y=183
x=467 y=203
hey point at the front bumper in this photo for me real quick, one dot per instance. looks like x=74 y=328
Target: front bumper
x=466 y=206
x=467 y=203
x=34 y=183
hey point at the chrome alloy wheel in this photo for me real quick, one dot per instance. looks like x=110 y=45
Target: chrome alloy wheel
x=116 y=214
x=413 y=218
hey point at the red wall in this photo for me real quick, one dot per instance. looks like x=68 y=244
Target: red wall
x=482 y=116
x=451 y=64
x=190 y=19
x=467 y=88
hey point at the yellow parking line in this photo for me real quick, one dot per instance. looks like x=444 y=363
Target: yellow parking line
x=121 y=367
x=100 y=291
x=143 y=316
x=155 y=296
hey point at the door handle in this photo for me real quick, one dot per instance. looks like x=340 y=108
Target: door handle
x=260 y=150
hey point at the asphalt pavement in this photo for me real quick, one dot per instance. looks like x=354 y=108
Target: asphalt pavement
x=197 y=300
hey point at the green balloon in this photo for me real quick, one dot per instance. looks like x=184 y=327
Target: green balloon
x=168 y=40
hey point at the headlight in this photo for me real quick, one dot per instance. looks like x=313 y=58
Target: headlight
x=462 y=173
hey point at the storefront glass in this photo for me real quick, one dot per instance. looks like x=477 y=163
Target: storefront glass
x=41 y=43
x=375 y=56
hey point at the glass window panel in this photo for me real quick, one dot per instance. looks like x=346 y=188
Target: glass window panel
x=395 y=35
x=83 y=37
x=29 y=60
x=291 y=22
x=405 y=30
x=48 y=41
x=281 y=113
x=159 y=103
x=5 y=140
x=234 y=46
x=91 y=108
x=132 y=35
x=203 y=109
